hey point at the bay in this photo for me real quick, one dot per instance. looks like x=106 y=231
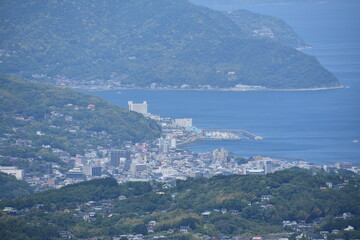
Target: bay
x=316 y=126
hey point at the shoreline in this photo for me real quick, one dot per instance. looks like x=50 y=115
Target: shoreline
x=216 y=89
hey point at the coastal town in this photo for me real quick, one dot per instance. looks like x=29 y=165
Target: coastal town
x=164 y=160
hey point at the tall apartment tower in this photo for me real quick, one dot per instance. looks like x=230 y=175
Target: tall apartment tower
x=220 y=154
x=116 y=154
x=127 y=164
x=115 y=158
x=138 y=107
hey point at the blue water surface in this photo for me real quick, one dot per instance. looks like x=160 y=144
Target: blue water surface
x=317 y=126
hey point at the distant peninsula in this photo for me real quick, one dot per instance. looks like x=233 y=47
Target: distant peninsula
x=142 y=43
x=214 y=3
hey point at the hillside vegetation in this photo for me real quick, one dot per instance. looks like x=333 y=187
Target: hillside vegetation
x=279 y=30
x=12 y=188
x=236 y=207
x=146 y=41
x=37 y=118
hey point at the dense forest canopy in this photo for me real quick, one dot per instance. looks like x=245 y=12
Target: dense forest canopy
x=150 y=41
x=223 y=205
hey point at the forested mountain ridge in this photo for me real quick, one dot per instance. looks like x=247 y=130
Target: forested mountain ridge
x=263 y=26
x=145 y=41
x=214 y=3
x=36 y=118
x=244 y=206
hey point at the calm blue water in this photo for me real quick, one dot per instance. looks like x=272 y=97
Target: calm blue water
x=317 y=126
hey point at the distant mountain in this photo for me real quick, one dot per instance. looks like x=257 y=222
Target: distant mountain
x=145 y=41
x=36 y=118
x=224 y=3
x=268 y=27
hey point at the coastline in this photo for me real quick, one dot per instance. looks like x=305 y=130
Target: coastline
x=213 y=89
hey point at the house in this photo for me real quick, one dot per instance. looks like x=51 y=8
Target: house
x=10 y=210
x=347 y=215
x=184 y=229
x=122 y=197
x=152 y=223
x=266 y=197
x=324 y=232
x=138 y=237
x=349 y=228
x=206 y=214
x=91 y=107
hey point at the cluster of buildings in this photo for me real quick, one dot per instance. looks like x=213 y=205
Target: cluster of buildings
x=163 y=160
x=263 y=32
x=116 y=81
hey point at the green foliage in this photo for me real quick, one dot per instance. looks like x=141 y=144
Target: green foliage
x=65 y=121
x=69 y=196
x=298 y=195
x=10 y=187
x=282 y=32
x=149 y=41
x=19 y=229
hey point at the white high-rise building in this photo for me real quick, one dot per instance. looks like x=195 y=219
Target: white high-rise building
x=138 y=107
x=268 y=167
x=220 y=154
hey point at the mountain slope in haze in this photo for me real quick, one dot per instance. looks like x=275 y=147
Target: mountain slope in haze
x=145 y=41
x=259 y=25
x=37 y=118
x=216 y=4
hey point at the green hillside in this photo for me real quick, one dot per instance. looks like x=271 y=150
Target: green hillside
x=12 y=188
x=222 y=3
x=279 y=30
x=235 y=204
x=145 y=41
x=36 y=118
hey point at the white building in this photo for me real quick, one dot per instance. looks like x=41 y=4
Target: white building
x=138 y=167
x=165 y=144
x=138 y=107
x=220 y=154
x=18 y=173
x=183 y=122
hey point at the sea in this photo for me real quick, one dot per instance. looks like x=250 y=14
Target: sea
x=321 y=127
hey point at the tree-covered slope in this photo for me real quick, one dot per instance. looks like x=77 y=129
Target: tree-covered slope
x=143 y=42
x=272 y=27
x=231 y=3
x=243 y=206
x=36 y=118
x=10 y=187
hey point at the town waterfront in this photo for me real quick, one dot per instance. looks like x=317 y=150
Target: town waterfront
x=322 y=127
